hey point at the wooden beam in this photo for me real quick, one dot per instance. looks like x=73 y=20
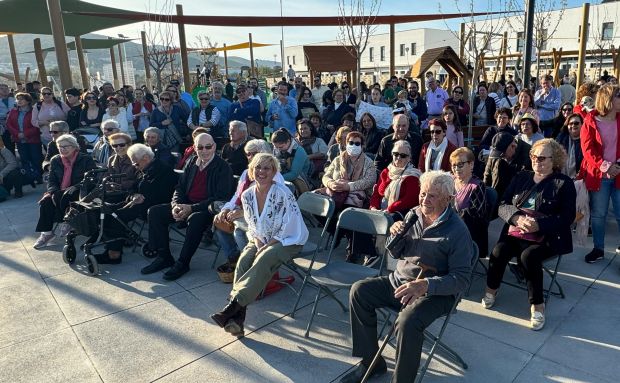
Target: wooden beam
x=60 y=45
x=80 y=54
x=616 y=61
x=13 y=58
x=557 y=59
x=184 y=59
x=392 y=51
x=114 y=71
x=147 y=66
x=120 y=62
x=505 y=51
x=38 y=53
x=462 y=43
x=225 y=61
x=251 y=55
x=581 y=60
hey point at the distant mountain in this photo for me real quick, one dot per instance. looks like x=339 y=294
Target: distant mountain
x=97 y=58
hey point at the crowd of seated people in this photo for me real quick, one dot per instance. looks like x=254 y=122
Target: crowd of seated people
x=533 y=150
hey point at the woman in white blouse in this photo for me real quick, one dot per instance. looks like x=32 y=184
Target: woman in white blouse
x=278 y=233
x=118 y=114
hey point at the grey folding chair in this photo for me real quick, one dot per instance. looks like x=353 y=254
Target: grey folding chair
x=312 y=205
x=491 y=197
x=435 y=339
x=552 y=272
x=342 y=275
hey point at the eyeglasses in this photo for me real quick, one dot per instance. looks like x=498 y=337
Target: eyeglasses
x=438 y=131
x=164 y=99
x=118 y=145
x=400 y=155
x=567 y=110
x=205 y=147
x=110 y=129
x=46 y=94
x=239 y=91
x=204 y=98
x=55 y=131
x=536 y=158
x=574 y=123
x=459 y=165
x=251 y=154
x=90 y=98
x=64 y=147
x=356 y=143
x=457 y=92
x=345 y=87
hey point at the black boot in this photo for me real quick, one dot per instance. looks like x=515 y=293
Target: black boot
x=104 y=259
x=163 y=261
x=176 y=271
x=227 y=313
x=234 y=326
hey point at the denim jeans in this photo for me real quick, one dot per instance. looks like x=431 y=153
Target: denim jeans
x=599 y=205
x=227 y=243
x=31 y=159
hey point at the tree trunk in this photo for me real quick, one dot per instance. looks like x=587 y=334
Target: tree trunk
x=358 y=70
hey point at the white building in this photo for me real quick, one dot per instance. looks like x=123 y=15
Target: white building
x=602 y=34
x=409 y=46
x=130 y=75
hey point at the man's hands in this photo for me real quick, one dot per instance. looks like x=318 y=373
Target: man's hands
x=181 y=211
x=397 y=228
x=410 y=291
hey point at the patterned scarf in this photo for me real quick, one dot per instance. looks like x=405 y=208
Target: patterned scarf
x=397 y=176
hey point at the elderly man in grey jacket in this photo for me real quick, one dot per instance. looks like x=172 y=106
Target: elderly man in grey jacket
x=435 y=264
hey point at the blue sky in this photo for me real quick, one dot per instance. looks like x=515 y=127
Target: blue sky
x=292 y=36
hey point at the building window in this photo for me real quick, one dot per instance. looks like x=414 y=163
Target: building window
x=382 y=53
x=288 y=60
x=608 y=31
x=413 y=49
x=402 y=49
x=371 y=53
x=293 y=60
x=579 y=33
x=520 y=41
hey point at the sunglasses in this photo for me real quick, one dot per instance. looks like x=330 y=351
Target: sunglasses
x=164 y=99
x=438 y=131
x=356 y=143
x=90 y=98
x=118 y=145
x=46 y=94
x=400 y=155
x=457 y=92
x=345 y=87
x=110 y=129
x=251 y=154
x=574 y=123
x=55 y=132
x=204 y=99
x=459 y=165
x=536 y=158
x=566 y=110
x=65 y=147
x=205 y=147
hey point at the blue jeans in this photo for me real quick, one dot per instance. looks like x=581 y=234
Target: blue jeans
x=599 y=205
x=31 y=158
x=231 y=243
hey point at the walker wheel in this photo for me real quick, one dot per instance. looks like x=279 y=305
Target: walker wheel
x=91 y=264
x=148 y=252
x=68 y=254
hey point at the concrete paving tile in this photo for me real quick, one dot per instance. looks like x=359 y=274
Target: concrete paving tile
x=280 y=353
x=609 y=280
x=148 y=341
x=216 y=367
x=28 y=311
x=508 y=321
x=589 y=339
x=82 y=297
x=543 y=370
x=200 y=272
x=56 y=357
x=16 y=267
x=574 y=269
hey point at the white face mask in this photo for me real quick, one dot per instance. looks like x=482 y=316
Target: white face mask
x=354 y=150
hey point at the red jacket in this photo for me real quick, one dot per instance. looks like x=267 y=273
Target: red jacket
x=407 y=199
x=32 y=134
x=592 y=148
x=136 y=107
x=445 y=161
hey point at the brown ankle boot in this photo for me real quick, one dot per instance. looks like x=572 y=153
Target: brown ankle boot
x=231 y=309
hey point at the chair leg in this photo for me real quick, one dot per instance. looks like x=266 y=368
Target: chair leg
x=478 y=262
x=313 y=313
x=554 y=281
x=217 y=254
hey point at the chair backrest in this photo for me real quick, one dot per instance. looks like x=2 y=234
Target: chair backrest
x=316 y=204
x=373 y=222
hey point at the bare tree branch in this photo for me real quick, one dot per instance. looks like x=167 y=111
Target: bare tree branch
x=160 y=41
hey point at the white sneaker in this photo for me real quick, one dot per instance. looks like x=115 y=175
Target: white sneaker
x=488 y=300
x=65 y=228
x=43 y=240
x=537 y=320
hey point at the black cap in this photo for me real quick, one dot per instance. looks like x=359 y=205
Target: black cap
x=501 y=141
x=72 y=92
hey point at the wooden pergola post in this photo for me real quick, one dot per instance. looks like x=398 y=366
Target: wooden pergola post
x=557 y=60
x=583 y=40
x=225 y=61
x=616 y=61
x=80 y=54
x=252 y=73
x=38 y=53
x=183 y=46
x=392 y=55
x=114 y=71
x=60 y=45
x=147 y=66
x=462 y=43
x=504 y=51
x=120 y=61
x=13 y=58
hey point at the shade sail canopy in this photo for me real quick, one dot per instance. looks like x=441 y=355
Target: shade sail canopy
x=32 y=16
x=276 y=21
x=245 y=45
x=330 y=58
x=88 y=44
x=446 y=57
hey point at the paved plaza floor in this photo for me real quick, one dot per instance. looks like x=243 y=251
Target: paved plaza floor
x=58 y=324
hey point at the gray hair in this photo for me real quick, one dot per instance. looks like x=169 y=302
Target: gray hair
x=217 y=84
x=203 y=92
x=67 y=139
x=153 y=129
x=239 y=125
x=61 y=126
x=439 y=178
x=257 y=146
x=137 y=151
x=404 y=144
x=110 y=124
